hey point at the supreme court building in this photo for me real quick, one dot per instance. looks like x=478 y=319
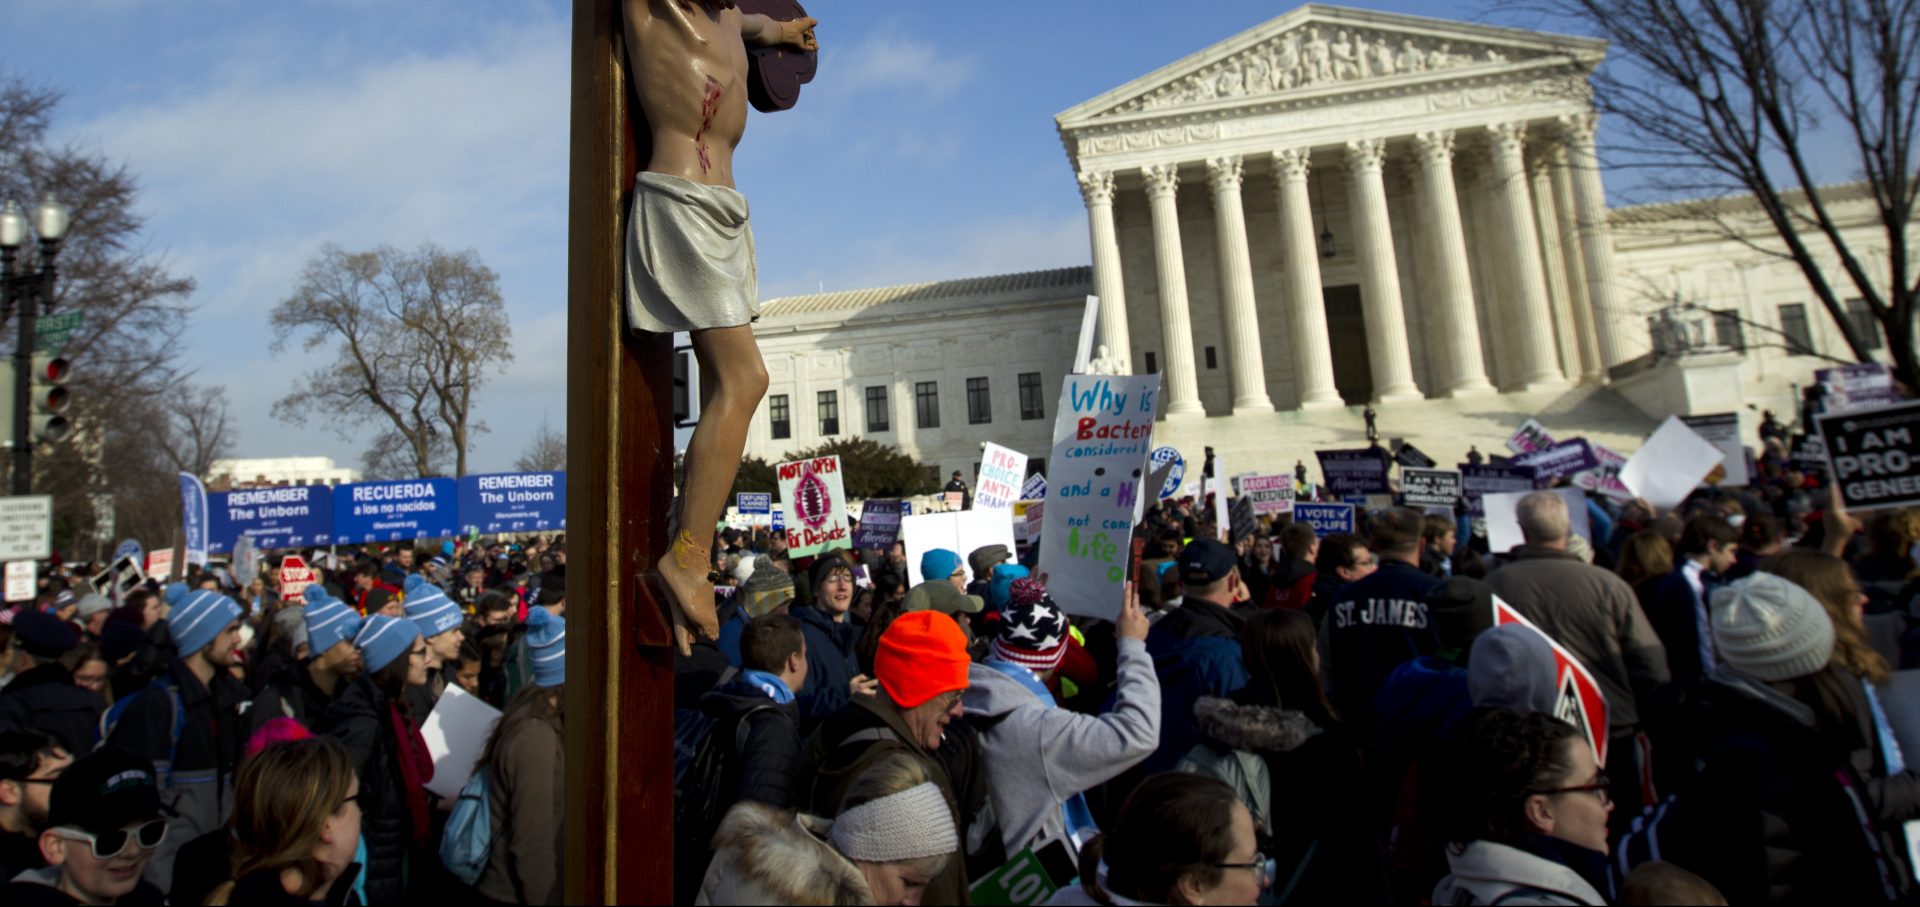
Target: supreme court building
x=1335 y=208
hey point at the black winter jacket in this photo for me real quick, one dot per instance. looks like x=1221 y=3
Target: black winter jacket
x=358 y=719
x=831 y=664
x=197 y=785
x=770 y=760
x=1374 y=626
x=46 y=699
x=290 y=693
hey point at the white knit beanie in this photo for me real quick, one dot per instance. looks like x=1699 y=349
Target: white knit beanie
x=909 y=825
x=1771 y=629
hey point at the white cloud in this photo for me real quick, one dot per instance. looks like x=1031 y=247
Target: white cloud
x=1004 y=245
x=890 y=61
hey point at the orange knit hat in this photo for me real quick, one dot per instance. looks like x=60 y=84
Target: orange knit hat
x=922 y=655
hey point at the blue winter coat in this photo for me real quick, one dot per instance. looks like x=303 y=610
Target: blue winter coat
x=831 y=664
x=1196 y=653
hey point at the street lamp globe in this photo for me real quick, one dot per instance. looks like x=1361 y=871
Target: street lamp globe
x=13 y=226
x=51 y=219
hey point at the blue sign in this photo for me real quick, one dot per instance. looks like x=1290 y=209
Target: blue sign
x=1478 y=481
x=779 y=519
x=193 y=504
x=280 y=517
x=1355 y=472
x=131 y=548
x=391 y=511
x=1035 y=489
x=753 y=502
x=1325 y=519
x=1158 y=460
x=513 y=502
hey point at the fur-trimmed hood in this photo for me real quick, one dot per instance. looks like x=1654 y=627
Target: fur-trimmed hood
x=764 y=855
x=1255 y=728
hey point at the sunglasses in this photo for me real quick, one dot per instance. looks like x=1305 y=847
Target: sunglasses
x=108 y=845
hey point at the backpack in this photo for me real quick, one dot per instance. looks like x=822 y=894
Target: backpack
x=111 y=720
x=468 y=843
x=706 y=772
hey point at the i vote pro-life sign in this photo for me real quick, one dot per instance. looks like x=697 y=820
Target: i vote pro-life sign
x=1875 y=455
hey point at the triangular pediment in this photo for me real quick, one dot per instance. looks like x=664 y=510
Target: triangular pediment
x=1316 y=49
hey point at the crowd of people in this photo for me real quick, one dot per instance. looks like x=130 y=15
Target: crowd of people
x=1273 y=715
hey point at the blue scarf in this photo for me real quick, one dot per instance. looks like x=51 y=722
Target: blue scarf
x=774 y=687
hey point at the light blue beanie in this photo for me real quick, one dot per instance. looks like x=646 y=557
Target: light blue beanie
x=1001 y=590
x=198 y=616
x=430 y=609
x=383 y=639
x=938 y=564
x=329 y=620
x=547 y=647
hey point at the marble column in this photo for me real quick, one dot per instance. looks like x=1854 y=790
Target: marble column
x=1379 y=274
x=1182 y=389
x=1096 y=188
x=1592 y=369
x=1553 y=261
x=1452 y=282
x=1513 y=209
x=1596 y=235
x=1225 y=175
x=1306 y=302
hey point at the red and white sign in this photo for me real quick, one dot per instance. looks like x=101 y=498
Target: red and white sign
x=295 y=577
x=160 y=564
x=816 y=505
x=22 y=580
x=1580 y=702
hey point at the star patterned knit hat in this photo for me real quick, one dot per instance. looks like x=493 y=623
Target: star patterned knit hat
x=1033 y=630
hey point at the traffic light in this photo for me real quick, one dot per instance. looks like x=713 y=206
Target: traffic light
x=50 y=397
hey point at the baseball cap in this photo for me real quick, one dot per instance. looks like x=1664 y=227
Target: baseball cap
x=940 y=595
x=104 y=791
x=1205 y=562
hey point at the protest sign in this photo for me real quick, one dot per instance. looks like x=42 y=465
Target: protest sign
x=1035 y=488
x=1808 y=454
x=280 y=517
x=1217 y=487
x=160 y=565
x=513 y=502
x=246 y=560
x=1101 y=440
x=23 y=580
x=456 y=732
x=1408 y=455
x=1563 y=458
x=1605 y=478
x=295 y=577
x=1875 y=456
x=1171 y=467
x=130 y=548
x=879 y=525
x=1476 y=482
x=1669 y=465
x=1503 y=520
x=121 y=577
x=960 y=532
x=194 y=510
x=1531 y=436
x=998 y=483
x=1324 y=518
x=1036 y=517
x=1429 y=487
x=1270 y=495
x=953 y=500
x=811 y=495
x=1361 y=471
x=1579 y=701
x=754 y=502
x=1722 y=430
x=1867 y=385
x=390 y=511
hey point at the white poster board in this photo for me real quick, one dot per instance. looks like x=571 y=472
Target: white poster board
x=1670 y=465
x=1002 y=471
x=815 y=504
x=456 y=733
x=960 y=532
x=1096 y=475
x=22 y=580
x=1503 y=520
x=1723 y=431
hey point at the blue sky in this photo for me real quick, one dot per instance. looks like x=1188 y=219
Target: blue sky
x=925 y=149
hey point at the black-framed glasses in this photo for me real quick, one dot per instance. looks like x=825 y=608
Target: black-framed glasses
x=110 y=844
x=1263 y=869
x=1598 y=787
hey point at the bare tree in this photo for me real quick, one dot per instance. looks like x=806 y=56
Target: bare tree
x=123 y=353
x=546 y=451
x=1732 y=95
x=416 y=335
x=198 y=429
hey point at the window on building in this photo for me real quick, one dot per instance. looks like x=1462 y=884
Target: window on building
x=829 y=413
x=1728 y=331
x=1864 y=323
x=877 y=410
x=1153 y=365
x=1031 y=404
x=779 y=417
x=930 y=476
x=1212 y=361
x=1797 y=330
x=926 y=404
x=979 y=402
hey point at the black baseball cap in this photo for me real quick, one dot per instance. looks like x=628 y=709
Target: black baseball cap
x=104 y=791
x=1205 y=562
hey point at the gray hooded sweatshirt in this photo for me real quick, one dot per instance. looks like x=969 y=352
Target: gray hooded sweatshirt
x=1043 y=755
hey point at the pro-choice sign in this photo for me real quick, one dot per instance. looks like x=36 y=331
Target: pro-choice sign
x=513 y=502
x=390 y=511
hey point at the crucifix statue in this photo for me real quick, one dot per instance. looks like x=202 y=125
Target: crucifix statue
x=690 y=257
